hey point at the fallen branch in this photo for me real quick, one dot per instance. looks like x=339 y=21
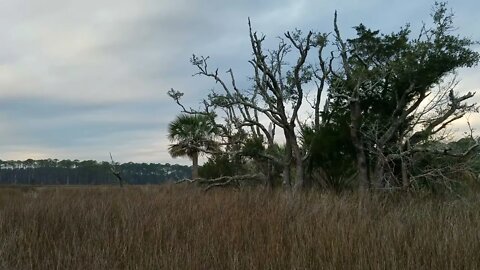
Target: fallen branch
x=186 y=180
x=225 y=181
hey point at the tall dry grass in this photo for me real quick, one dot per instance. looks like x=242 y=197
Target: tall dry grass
x=178 y=227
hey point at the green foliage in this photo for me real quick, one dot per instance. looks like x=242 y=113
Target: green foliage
x=193 y=134
x=391 y=74
x=388 y=64
x=253 y=147
x=218 y=165
x=331 y=161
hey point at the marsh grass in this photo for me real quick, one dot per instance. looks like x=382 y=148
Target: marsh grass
x=181 y=227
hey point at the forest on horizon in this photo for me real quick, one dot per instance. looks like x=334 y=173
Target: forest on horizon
x=87 y=172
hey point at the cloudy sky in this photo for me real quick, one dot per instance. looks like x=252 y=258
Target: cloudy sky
x=79 y=79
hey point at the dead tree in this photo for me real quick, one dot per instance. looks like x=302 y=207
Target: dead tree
x=277 y=95
x=277 y=92
x=115 y=171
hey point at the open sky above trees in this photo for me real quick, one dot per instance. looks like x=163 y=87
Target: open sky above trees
x=80 y=79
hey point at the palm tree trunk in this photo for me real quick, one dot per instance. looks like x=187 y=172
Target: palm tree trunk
x=195 y=166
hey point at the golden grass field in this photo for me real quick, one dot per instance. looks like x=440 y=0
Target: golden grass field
x=182 y=227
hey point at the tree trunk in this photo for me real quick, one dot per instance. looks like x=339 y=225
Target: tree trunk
x=286 y=176
x=404 y=160
x=362 y=167
x=379 y=171
x=269 y=180
x=317 y=112
x=287 y=163
x=300 y=182
x=405 y=178
x=317 y=103
x=195 y=166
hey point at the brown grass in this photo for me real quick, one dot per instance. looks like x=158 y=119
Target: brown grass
x=178 y=227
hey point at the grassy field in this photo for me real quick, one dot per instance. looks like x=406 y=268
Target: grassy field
x=181 y=227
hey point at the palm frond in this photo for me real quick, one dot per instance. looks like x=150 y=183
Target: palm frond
x=192 y=134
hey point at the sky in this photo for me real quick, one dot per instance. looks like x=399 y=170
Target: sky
x=80 y=79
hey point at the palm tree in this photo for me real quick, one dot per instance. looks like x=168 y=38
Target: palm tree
x=192 y=135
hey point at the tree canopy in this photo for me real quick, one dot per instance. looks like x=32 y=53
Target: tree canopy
x=390 y=99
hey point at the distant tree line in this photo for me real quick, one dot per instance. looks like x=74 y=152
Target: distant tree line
x=87 y=172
